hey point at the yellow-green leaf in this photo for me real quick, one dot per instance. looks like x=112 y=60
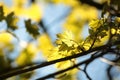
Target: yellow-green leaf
x=11 y=21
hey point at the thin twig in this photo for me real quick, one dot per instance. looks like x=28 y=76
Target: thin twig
x=108 y=72
x=92 y=3
x=85 y=71
x=86 y=65
x=110 y=67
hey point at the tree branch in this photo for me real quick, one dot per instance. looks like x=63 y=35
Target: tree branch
x=92 y=3
x=110 y=67
x=85 y=71
x=30 y=68
x=108 y=72
x=72 y=67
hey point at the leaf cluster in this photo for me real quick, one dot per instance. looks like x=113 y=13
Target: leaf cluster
x=10 y=19
x=103 y=39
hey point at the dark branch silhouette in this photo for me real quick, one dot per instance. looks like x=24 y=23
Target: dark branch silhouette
x=92 y=3
x=61 y=71
x=108 y=72
x=30 y=68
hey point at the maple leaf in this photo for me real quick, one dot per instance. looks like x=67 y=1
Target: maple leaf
x=96 y=23
x=11 y=21
x=32 y=28
x=66 y=38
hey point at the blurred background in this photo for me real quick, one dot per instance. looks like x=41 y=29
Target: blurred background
x=19 y=47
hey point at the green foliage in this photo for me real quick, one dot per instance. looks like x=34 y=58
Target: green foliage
x=11 y=21
x=67 y=43
x=102 y=31
x=32 y=28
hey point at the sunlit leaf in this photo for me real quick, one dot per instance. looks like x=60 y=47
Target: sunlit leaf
x=5 y=37
x=66 y=38
x=117 y=19
x=77 y=19
x=43 y=41
x=95 y=23
x=32 y=12
x=6 y=47
x=26 y=56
